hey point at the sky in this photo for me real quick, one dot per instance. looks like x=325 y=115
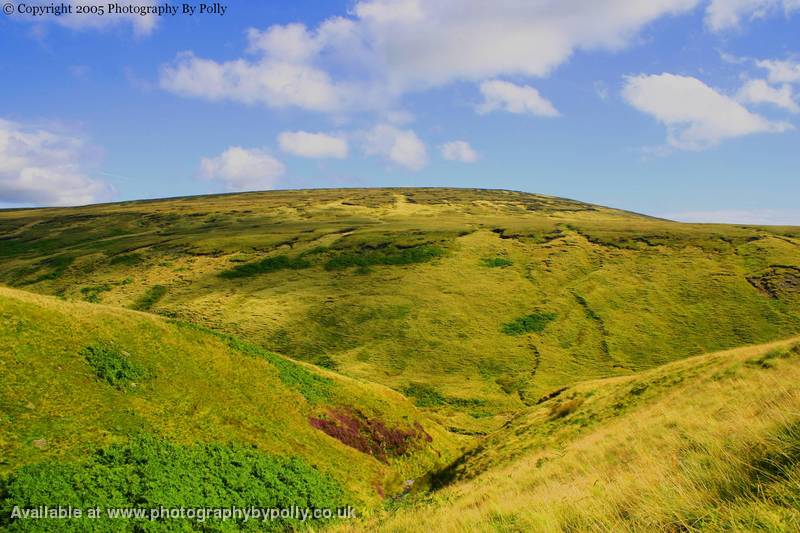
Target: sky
x=686 y=109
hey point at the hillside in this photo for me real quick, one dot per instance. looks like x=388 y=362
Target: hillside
x=710 y=443
x=473 y=303
x=436 y=358
x=79 y=378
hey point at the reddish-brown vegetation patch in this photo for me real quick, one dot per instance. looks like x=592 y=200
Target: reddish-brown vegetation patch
x=369 y=435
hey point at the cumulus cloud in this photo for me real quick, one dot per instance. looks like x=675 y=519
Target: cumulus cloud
x=519 y=99
x=42 y=167
x=402 y=147
x=272 y=83
x=242 y=169
x=726 y=14
x=781 y=71
x=142 y=24
x=313 y=145
x=760 y=92
x=385 y=48
x=696 y=116
x=459 y=151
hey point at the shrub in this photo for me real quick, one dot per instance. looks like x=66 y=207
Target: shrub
x=149 y=472
x=533 y=323
x=112 y=365
x=270 y=264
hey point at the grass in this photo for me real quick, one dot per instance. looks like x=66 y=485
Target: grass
x=692 y=288
x=149 y=473
x=532 y=323
x=496 y=262
x=68 y=387
x=113 y=366
x=269 y=264
x=149 y=298
x=546 y=336
x=677 y=457
x=390 y=256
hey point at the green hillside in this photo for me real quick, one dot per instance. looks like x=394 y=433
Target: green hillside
x=474 y=303
x=477 y=360
x=79 y=378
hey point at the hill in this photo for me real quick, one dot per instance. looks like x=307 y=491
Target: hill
x=473 y=303
x=84 y=381
x=710 y=443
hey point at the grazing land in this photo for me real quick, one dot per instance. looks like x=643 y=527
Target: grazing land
x=483 y=359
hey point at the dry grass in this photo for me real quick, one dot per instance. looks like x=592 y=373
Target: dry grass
x=718 y=451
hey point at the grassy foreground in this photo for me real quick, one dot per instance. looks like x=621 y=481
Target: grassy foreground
x=711 y=443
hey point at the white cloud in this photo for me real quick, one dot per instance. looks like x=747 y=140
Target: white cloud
x=42 y=167
x=402 y=147
x=519 y=99
x=760 y=92
x=726 y=14
x=696 y=115
x=781 y=71
x=459 y=151
x=142 y=24
x=313 y=145
x=241 y=169
x=272 y=83
x=385 y=48
x=756 y=217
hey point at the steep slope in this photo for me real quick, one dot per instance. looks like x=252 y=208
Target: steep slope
x=78 y=377
x=710 y=443
x=474 y=303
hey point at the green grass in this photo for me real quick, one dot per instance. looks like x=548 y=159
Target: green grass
x=270 y=264
x=390 y=256
x=92 y=293
x=313 y=387
x=532 y=330
x=149 y=473
x=149 y=298
x=112 y=365
x=80 y=377
x=692 y=288
x=496 y=262
x=532 y=323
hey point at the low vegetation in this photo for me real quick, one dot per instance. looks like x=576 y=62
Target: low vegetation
x=269 y=264
x=496 y=262
x=149 y=473
x=532 y=323
x=479 y=359
x=388 y=256
x=113 y=365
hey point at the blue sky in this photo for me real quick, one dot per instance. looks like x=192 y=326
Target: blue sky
x=679 y=108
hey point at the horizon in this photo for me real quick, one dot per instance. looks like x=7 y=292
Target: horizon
x=685 y=110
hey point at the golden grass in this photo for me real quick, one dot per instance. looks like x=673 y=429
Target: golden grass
x=715 y=451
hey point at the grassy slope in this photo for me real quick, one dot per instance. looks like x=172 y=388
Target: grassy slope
x=709 y=443
x=435 y=326
x=199 y=389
